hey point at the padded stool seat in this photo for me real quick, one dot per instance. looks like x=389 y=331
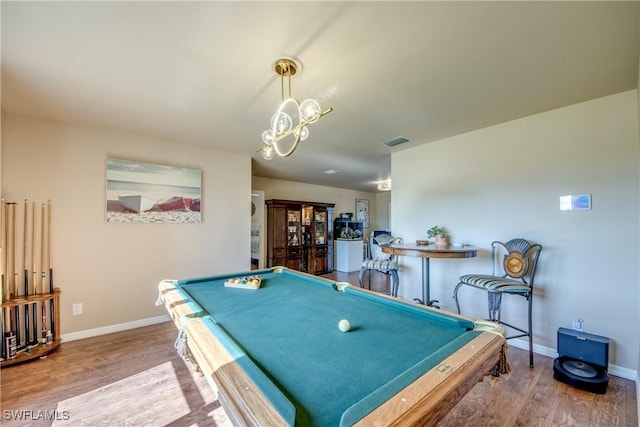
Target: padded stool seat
x=378 y=264
x=496 y=284
x=383 y=266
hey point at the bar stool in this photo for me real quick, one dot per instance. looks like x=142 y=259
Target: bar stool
x=519 y=262
x=381 y=262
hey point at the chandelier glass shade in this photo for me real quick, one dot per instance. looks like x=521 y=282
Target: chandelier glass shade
x=289 y=112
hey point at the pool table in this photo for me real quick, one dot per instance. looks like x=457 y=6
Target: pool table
x=277 y=356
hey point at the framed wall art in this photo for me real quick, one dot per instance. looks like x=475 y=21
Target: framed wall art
x=362 y=211
x=150 y=193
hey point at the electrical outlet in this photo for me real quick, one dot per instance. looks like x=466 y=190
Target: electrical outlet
x=77 y=309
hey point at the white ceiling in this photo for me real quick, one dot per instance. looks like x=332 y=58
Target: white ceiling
x=200 y=72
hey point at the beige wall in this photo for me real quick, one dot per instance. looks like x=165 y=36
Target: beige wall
x=2 y=120
x=638 y=327
x=383 y=206
x=114 y=269
x=503 y=182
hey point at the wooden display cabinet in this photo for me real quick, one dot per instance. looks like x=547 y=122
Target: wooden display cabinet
x=299 y=235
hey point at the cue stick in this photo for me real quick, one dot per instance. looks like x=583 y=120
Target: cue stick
x=14 y=253
x=51 y=307
x=5 y=257
x=34 y=313
x=44 y=323
x=2 y=351
x=27 y=329
x=4 y=354
x=42 y=243
x=7 y=312
x=42 y=282
x=11 y=286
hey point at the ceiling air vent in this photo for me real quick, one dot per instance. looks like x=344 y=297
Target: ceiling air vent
x=395 y=141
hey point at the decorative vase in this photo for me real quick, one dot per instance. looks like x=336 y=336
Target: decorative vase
x=441 y=241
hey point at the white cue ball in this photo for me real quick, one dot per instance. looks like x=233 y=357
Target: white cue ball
x=344 y=325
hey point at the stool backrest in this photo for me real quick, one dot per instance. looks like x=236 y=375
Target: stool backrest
x=381 y=239
x=519 y=259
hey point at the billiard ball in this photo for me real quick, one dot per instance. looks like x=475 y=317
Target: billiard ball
x=344 y=325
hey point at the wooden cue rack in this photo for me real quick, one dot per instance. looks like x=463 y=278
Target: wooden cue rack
x=30 y=318
x=41 y=349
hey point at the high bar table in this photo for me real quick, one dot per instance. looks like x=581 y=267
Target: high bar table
x=426 y=252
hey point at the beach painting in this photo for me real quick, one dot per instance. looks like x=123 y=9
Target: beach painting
x=149 y=193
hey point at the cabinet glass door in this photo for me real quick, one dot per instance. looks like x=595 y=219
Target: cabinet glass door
x=294 y=236
x=307 y=213
x=320 y=227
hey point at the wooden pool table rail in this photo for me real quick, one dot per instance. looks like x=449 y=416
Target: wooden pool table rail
x=241 y=398
x=428 y=399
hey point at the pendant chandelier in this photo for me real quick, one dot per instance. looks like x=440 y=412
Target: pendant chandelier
x=282 y=122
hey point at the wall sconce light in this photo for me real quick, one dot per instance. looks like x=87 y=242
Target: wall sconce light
x=384 y=185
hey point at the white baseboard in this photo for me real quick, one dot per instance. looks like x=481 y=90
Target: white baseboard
x=114 y=328
x=618 y=371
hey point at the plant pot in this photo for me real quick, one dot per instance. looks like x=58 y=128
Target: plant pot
x=441 y=241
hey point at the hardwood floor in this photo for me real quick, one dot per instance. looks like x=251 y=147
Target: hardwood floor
x=135 y=378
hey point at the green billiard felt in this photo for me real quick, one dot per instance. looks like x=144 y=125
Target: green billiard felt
x=289 y=330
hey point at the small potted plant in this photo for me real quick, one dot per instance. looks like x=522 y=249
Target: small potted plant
x=438 y=234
